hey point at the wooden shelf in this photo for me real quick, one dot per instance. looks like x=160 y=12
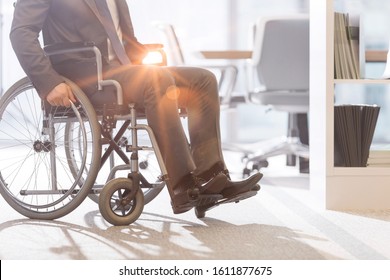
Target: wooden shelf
x=362 y=81
x=361 y=171
x=340 y=188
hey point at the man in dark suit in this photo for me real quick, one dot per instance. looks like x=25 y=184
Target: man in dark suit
x=160 y=90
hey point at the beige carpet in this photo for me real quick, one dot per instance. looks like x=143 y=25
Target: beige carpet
x=282 y=222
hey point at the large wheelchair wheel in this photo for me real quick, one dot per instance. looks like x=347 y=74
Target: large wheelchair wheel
x=35 y=174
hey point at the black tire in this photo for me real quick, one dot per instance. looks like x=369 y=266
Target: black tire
x=111 y=198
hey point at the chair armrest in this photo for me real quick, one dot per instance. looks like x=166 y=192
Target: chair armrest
x=156 y=48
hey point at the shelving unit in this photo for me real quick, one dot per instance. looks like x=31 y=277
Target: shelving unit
x=340 y=188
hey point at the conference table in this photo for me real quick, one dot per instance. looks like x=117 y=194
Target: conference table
x=376 y=55
x=226 y=54
x=371 y=55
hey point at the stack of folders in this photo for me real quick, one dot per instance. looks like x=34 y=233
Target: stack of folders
x=354 y=130
x=379 y=158
x=346 y=48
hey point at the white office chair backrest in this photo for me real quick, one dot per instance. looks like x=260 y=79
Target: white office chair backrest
x=174 y=51
x=281 y=52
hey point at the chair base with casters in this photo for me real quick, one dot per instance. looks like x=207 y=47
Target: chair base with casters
x=256 y=155
x=290 y=146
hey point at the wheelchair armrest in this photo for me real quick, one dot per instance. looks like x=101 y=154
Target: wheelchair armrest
x=68 y=47
x=74 y=47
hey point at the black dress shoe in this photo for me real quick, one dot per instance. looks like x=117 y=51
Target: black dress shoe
x=184 y=200
x=234 y=188
x=218 y=182
x=190 y=193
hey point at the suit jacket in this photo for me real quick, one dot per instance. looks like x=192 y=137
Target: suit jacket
x=64 y=21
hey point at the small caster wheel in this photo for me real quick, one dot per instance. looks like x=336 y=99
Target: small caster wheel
x=200 y=213
x=120 y=202
x=246 y=172
x=260 y=164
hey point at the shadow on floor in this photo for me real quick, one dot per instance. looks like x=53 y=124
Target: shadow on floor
x=153 y=236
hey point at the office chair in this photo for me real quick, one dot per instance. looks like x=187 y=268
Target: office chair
x=278 y=77
x=227 y=73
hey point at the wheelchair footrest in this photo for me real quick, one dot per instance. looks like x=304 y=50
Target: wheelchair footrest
x=46 y=192
x=238 y=198
x=201 y=209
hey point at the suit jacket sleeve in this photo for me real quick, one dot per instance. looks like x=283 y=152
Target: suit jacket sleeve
x=29 y=17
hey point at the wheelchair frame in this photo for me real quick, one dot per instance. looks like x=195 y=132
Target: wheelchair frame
x=67 y=144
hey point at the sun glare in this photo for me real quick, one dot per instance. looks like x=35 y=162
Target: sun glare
x=153 y=58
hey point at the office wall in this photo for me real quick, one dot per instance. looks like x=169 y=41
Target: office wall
x=201 y=24
x=205 y=24
x=213 y=25
x=223 y=24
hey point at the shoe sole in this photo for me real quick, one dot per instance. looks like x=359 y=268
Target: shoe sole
x=202 y=200
x=237 y=198
x=201 y=210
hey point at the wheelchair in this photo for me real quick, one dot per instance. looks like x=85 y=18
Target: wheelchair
x=53 y=158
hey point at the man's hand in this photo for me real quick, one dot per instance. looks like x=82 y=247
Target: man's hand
x=61 y=95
